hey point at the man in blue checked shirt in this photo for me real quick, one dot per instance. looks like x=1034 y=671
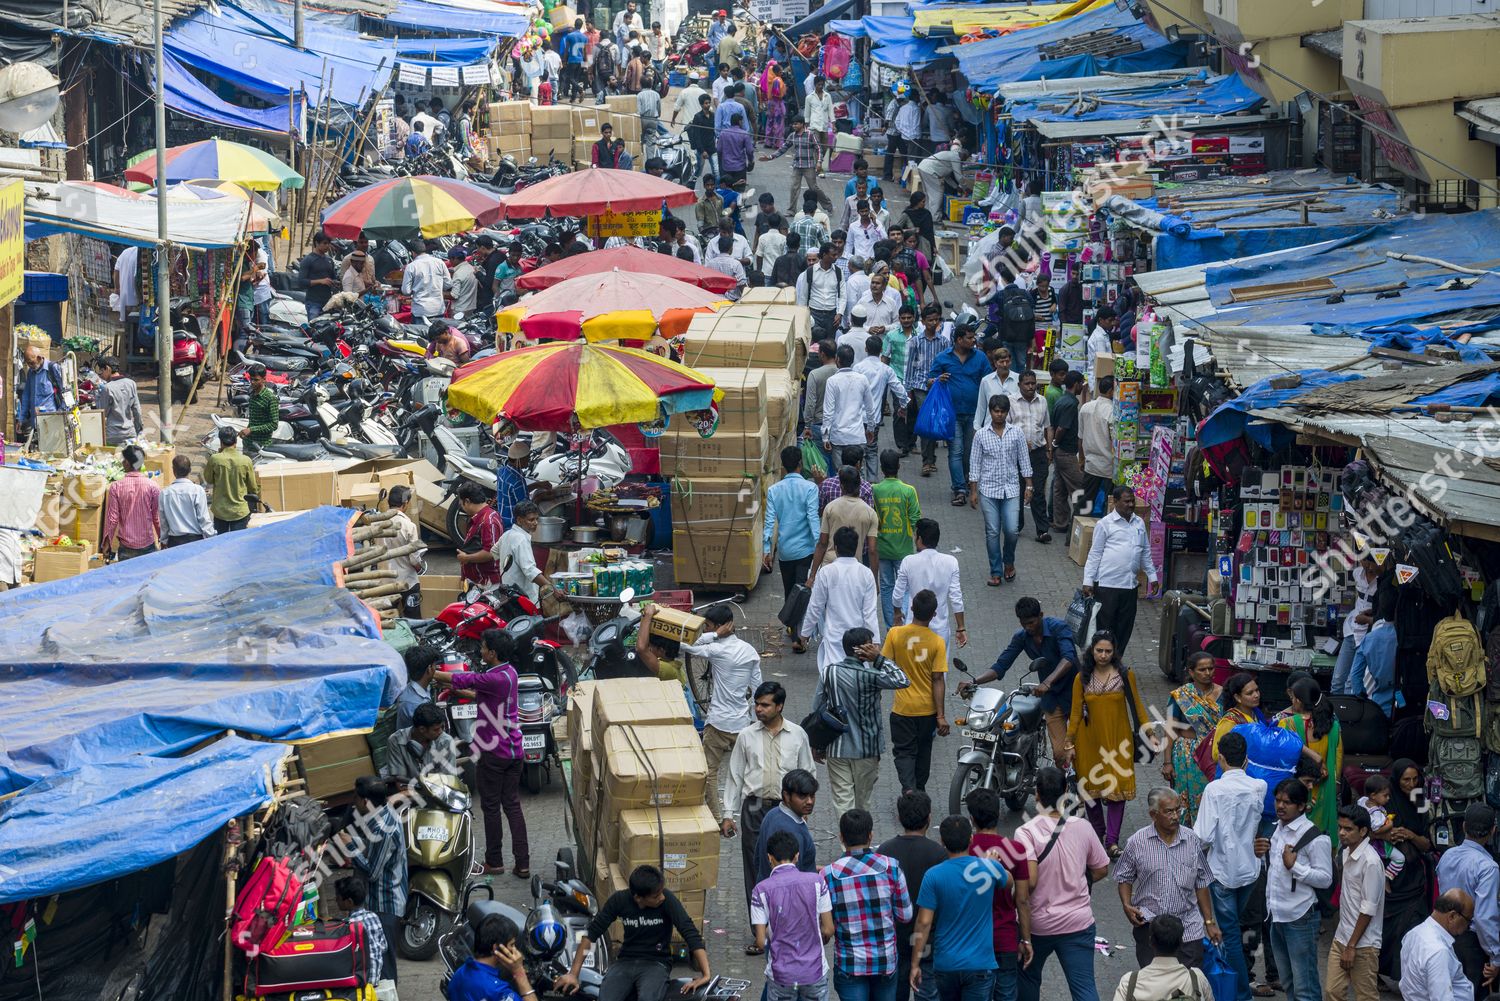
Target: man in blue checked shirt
x=922 y=349
x=1049 y=646
x=869 y=898
x=792 y=518
x=962 y=367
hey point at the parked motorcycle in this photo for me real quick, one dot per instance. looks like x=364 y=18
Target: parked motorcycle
x=439 y=859
x=1008 y=743
x=545 y=674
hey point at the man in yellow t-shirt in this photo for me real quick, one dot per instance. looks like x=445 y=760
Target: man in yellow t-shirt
x=917 y=712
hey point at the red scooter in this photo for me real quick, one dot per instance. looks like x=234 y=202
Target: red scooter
x=188 y=352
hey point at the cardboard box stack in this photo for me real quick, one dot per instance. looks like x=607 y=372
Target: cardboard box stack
x=510 y=129
x=754 y=352
x=564 y=131
x=552 y=133
x=640 y=788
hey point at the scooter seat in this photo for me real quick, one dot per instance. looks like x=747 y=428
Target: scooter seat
x=283 y=363
x=300 y=452
x=361 y=450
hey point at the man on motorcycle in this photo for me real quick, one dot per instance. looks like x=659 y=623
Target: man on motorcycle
x=1051 y=641
x=424 y=748
x=496 y=971
x=648 y=913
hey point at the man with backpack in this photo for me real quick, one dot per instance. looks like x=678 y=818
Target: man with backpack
x=1470 y=867
x=1300 y=864
x=1012 y=316
x=1164 y=978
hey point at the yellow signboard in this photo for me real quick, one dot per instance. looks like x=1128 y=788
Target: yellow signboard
x=624 y=224
x=12 y=240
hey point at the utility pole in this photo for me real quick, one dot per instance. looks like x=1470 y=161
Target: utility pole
x=163 y=261
x=297 y=23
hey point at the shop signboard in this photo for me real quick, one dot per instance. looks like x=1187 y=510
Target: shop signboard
x=12 y=240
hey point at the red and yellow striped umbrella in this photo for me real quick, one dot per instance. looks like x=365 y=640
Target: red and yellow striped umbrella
x=405 y=208
x=609 y=306
x=571 y=385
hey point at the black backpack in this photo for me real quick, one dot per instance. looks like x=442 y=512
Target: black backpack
x=1426 y=548
x=1016 y=309
x=1324 y=894
x=604 y=61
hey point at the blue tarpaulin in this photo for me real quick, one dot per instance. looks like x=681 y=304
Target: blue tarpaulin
x=250 y=51
x=1198 y=95
x=440 y=17
x=815 y=22
x=1360 y=261
x=1018 y=56
x=187 y=95
x=1231 y=419
x=244 y=631
x=913 y=52
x=445 y=51
x=102 y=821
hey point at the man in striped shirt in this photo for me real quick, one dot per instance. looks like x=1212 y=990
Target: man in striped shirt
x=806 y=153
x=380 y=963
x=921 y=350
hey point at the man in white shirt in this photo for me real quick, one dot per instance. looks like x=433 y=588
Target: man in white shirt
x=1299 y=863
x=882 y=303
x=1096 y=435
x=1028 y=411
x=905 y=137
x=626 y=21
x=126 y=290
x=183 y=507
x=686 y=105
x=844 y=597
x=928 y=569
x=1430 y=970
x=1001 y=382
x=1354 y=957
x=763 y=753
x=736 y=675
x=513 y=552
x=1165 y=976
x=940 y=123
x=864 y=232
x=1121 y=549
x=425 y=280
x=1101 y=341
x=854 y=336
x=1228 y=815
x=817 y=111
x=942 y=171
x=882 y=379
x=848 y=411
x=821 y=289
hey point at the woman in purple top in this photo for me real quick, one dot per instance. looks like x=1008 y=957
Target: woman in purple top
x=497 y=738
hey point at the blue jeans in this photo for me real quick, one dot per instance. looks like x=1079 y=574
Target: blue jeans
x=958 y=453
x=1295 y=945
x=1342 y=683
x=1007 y=976
x=1075 y=951
x=701 y=161
x=926 y=992
x=1228 y=903
x=965 y=985
x=1002 y=517
x=888 y=570
x=852 y=988
x=797 y=992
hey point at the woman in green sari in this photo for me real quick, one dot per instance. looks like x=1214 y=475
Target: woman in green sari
x=1312 y=718
x=1195 y=712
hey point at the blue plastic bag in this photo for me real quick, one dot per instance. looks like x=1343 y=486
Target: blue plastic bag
x=936 y=419
x=1221 y=976
x=1271 y=753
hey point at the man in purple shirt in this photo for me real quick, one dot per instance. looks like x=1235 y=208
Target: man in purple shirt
x=497 y=738
x=736 y=151
x=829 y=489
x=794 y=911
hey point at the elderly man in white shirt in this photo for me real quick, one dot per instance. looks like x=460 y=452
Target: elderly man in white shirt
x=863 y=233
x=1121 y=549
x=425 y=279
x=1228 y=814
x=928 y=569
x=848 y=411
x=844 y=597
x=942 y=170
x=513 y=553
x=1430 y=970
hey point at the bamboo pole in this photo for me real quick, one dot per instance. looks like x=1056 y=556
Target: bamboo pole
x=1437 y=262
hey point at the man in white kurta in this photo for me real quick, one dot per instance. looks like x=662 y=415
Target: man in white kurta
x=844 y=597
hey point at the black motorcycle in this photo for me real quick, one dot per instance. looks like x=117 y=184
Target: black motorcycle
x=1008 y=742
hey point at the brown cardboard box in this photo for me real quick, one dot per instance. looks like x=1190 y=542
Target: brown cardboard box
x=509 y=111
x=49 y=517
x=782 y=392
x=637 y=702
x=60 y=562
x=729 y=559
x=675 y=624
x=386 y=473
x=299 y=486
x=743 y=407
x=767 y=296
x=586 y=121
x=695 y=902
x=85 y=524
x=1081 y=538
x=583 y=151
x=737 y=342
x=581 y=732
x=552 y=116
x=624 y=104
x=546 y=151
x=438 y=592
x=683 y=840
x=763 y=314
x=685 y=453
x=331 y=764
x=364 y=497
x=158 y=464
x=721 y=503
x=627 y=127
x=651 y=766
x=513 y=144
x=87 y=489
x=552 y=135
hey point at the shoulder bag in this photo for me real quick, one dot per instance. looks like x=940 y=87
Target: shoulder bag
x=829 y=723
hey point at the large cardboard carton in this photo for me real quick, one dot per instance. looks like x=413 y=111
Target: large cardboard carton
x=85 y=524
x=683 y=840
x=800 y=317
x=743 y=407
x=60 y=562
x=586 y=120
x=713 y=503
x=766 y=296
x=515 y=145
x=651 y=766
x=553 y=115
x=438 y=592
x=686 y=453
x=581 y=732
x=627 y=127
x=1081 y=538
x=638 y=702
x=738 y=342
x=675 y=624
x=782 y=392
x=299 y=486
x=716 y=559
x=510 y=111
x=331 y=764
x=583 y=151
x=622 y=104
x=158 y=464
x=695 y=902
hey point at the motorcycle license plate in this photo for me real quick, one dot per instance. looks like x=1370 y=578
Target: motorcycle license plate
x=432 y=834
x=468 y=711
x=182 y=371
x=533 y=741
x=588 y=957
x=984 y=735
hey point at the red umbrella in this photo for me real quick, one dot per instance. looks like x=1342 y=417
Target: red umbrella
x=596 y=191
x=630 y=259
x=614 y=305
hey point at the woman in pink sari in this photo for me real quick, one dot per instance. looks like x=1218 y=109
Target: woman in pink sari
x=774 y=89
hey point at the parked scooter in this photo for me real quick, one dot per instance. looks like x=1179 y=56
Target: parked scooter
x=1008 y=746
x=439 y=860
x=546 y=673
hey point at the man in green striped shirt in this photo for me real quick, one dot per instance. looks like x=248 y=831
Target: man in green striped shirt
x=265 y=408
x=897 y=510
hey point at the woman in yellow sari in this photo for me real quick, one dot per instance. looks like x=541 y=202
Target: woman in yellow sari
x=1107 y=711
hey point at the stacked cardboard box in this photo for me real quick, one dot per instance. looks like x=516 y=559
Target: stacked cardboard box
x=510 y=129
x=641 y=785
x=552 y=133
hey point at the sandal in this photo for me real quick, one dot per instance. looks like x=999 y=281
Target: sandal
x=754 y=950
x=1114 y=852
x=1263 y=991
x=799 y=648
x=521 y=873
x=959 y=500
x=928 y=470
x=1010 y=575
x=993 y=582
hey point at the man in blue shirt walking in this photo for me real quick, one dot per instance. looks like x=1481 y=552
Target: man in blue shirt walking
x=574 y=47
x=1373 y=673
x=799 y=792
x=961 y=368
x=1048 y=645
x=955 y=910
x=792 y=519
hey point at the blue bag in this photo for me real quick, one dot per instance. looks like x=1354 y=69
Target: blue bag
x=936 y=419
x=1221 y=976
x=1271 y=754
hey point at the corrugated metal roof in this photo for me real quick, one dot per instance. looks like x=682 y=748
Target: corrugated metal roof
x=1025 y=89
x=1246 y=355
x=1378 y=392
x=130 y=21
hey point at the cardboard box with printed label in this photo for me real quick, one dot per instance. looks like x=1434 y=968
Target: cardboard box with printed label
x=738 y=342
x=726 y=454
x=299 y=486
x=675 y=624
x=586 y=121
x=743 y=407
x=438 y=592
x=332 y=764
x=683 y=840
x=716 y=558
x=729 y=503
x=651 y=766
x=1081 y=538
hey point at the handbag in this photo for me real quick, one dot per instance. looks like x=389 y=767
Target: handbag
x=937 y=418
x=794 y=608
x=1204 y=757
x=1141 y=748
x=828 y=724
x=312 y=956
x=814 y=463
x=1077 y=615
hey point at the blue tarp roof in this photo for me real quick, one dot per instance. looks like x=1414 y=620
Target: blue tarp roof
x=103 y=821
x=187 y=95
x=913 y=52
x=989 y=63
x=1201 y=94
x=1360 y=261
x=439 y=17
x=1232 y=418
x=445 y=51
x=250 y=51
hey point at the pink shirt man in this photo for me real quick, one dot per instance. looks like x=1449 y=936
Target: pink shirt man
x=1060 y=899
x=131 y=513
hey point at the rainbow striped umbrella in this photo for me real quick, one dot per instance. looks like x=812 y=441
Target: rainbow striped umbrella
x=404 y=208
x=221 y=159
x=571 y=385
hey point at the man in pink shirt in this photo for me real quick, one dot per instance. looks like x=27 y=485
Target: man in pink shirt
x=1067 y=859
x=130 y=510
